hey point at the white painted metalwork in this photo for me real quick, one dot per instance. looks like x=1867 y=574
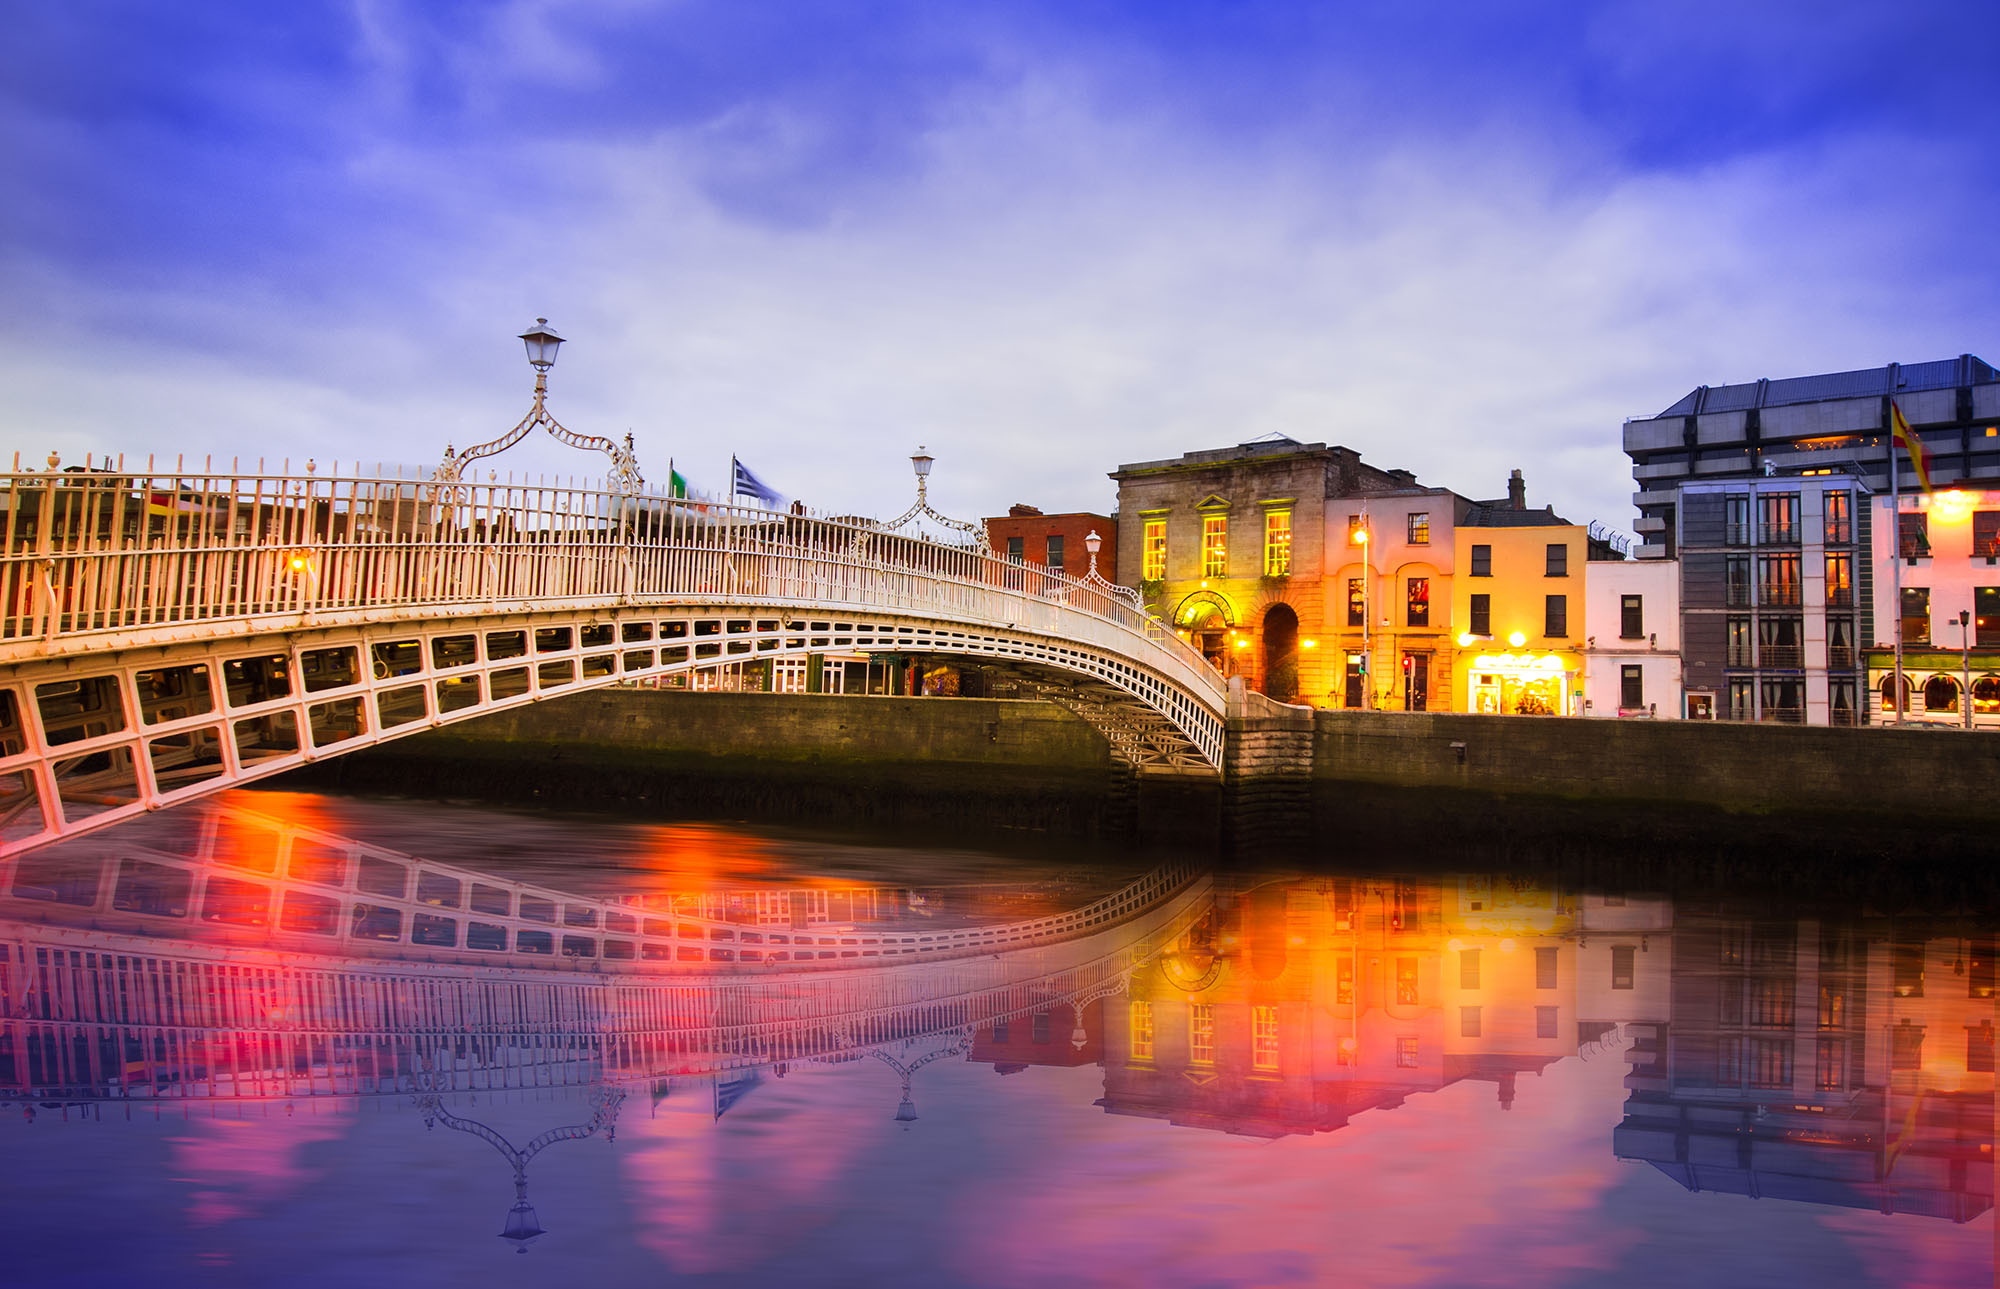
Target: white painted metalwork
x=166 y=633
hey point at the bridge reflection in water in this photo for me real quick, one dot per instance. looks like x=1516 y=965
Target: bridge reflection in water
x=1844 y=1061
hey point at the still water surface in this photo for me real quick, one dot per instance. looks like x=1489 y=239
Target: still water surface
x=815 y=1062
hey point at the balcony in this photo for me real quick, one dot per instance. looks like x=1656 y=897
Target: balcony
x=1840 y=533
x=1839 y=658
x=1792 y=657
x=1736 y=534
x=1784 y=716
x=1739 y=595
x=1843 y=716
x=1778 y=535
x=1739 y=656
x=1913 y=547
x=1839 y=597
x=1778 y=594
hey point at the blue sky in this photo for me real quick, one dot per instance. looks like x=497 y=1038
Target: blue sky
x=1040 y=239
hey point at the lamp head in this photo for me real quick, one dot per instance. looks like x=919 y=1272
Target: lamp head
x=1093 y=543
x=920 y=461
x=542 y=342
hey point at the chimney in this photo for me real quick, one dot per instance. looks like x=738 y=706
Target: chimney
x=1017 y=510
x=1517 y=491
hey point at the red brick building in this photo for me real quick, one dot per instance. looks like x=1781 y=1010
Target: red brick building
x=1055 y=542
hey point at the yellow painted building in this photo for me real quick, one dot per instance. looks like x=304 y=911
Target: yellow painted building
x=1517 y=601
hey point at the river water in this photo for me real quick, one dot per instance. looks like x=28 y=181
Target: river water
x=1219 y=1077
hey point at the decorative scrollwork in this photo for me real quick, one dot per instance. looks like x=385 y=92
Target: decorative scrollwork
x=624 y=476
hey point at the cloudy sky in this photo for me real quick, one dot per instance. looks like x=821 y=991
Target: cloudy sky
x=1042 y=239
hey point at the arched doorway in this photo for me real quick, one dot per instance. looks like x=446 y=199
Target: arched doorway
x=1281 y=653
x=1205 y=620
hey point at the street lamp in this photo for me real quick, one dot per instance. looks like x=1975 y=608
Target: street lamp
x=920 y=461
x=1360 y=539
x=542 y=341
x=1965 y=667
x=973 y=535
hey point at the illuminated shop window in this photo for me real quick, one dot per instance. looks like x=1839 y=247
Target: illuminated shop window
x=1201 y=1033
x=1155 y=550
x=1142 y=1031
x=1263 y=1038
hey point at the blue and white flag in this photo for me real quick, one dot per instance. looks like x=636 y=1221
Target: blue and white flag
x=749 y=485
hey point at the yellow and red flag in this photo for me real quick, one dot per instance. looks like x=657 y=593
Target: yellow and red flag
x=1920 y=456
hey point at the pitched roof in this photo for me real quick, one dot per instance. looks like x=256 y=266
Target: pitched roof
x=1487 y=514
x=1869 y=382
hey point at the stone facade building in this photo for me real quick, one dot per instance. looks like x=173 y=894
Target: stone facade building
x=1229 y=546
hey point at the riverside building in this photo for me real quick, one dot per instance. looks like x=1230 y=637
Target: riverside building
x=1948 y=615
x=1229 y=546
x=1760 y=491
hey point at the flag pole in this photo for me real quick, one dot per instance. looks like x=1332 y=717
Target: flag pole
x=1896 y=560
x=732 y=480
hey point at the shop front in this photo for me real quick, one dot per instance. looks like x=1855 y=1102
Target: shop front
x=1524 y=684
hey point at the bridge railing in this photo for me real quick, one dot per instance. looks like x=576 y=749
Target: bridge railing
x=89 y=551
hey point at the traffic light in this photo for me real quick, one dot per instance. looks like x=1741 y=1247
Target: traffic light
x=1407 y=663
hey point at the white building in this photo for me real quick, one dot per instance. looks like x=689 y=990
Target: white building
x=1945 y=550
x=1632 y=639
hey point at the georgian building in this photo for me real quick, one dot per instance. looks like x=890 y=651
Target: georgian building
x=1228 y=545
x=1390 y=556
x=1518 y=601
x=1632 y=639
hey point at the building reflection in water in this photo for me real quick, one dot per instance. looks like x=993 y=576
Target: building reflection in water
x=270 y=968
x=1845 y=1062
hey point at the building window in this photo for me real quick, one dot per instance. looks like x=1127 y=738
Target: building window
x=1889 y=697
x=1631 y=617
x=1780 y=642
x=1736 y=519
x=1357 y=603
x=1631 y=688
x=1482 y=561
x=1913 y=534
x=1277 y=543
x=1739 y=702
x=1417 y=682
x=1738 y=652
x=1839 y=518
x=1263 y=1038
x=1941 y=694
x=1406 y=982
x=1558 y=560
x=1555 y=616
x=1419 y=528
x=1468 y=1022
x=1986 y=696
x=1039 y=1030
x=1770 y=1063
x=1343 y=988
x=1468 y=968
x=1014 y=552
x=1214 y=545
x=1353 y=681
x=1906 y=1047
x=1986 y=615
x=1055 y=553
x=1832 y=1058
x=1916 y=615
x=1736 y=580
x=1355 y=527
x=1406 y=1052
x=1785 y=701
x=1545 y=968
x=1621 y=966
x=1986 y=535
x=1154 y=549
x=1142 y=1031
x=1979 y=1048
x=1778 y=519
x=1417 y=601
x=1545 y=1022
x=1778 y=580
x=1480 y=615
x=1201 y=1033
x=1840 y=581
x=1000 y=1032
x=1908 y=957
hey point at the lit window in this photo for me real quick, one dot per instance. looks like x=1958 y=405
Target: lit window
x=1142 y=1031
x=1263 y=1038
x=1278 y=543
x=1155 y=550
x=1201 y=1033
x=1420 y=529
x=1214 y=545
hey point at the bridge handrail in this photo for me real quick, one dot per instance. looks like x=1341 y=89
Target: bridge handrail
x=88 y=552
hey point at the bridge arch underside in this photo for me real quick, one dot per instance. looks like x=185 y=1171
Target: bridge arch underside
x=88 y=738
